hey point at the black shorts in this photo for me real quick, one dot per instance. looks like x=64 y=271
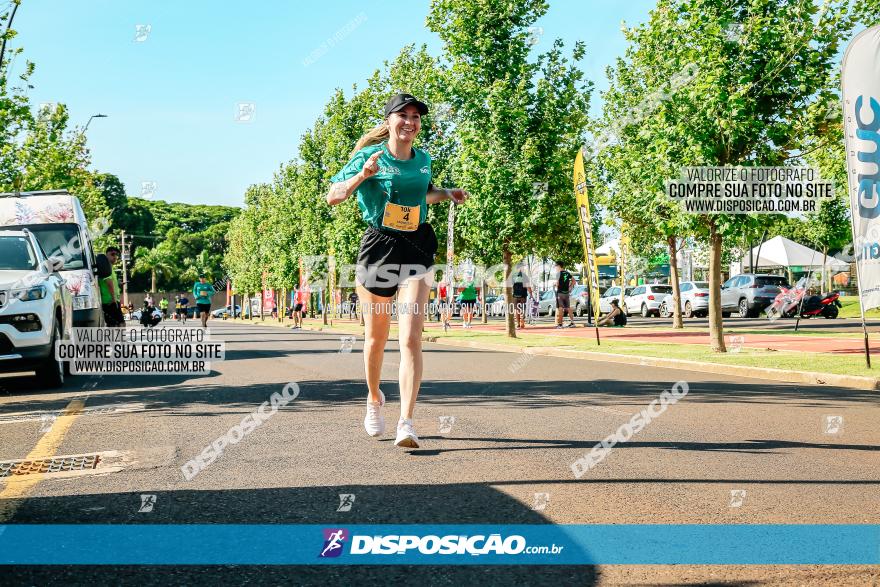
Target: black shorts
x=388 y=257
x=203 y=308
x=520 y=305
x=113 y=314
x=298 y=308
x=563 y=301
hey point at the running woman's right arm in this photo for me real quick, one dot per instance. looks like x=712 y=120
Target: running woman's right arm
x=340 y=191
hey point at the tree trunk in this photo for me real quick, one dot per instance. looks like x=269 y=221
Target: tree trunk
x=507 y=257
x=716 y=327
x=676 y=287
x=826 y=274
x=153 y=281
x=485 y=317
x=323 y=306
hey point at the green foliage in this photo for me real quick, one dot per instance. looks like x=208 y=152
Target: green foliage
x=518 y=125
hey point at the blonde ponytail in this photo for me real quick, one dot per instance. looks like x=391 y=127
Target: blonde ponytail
x=374 y=136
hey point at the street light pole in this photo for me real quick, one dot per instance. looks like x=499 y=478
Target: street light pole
x=15 y=4
x=90 y=120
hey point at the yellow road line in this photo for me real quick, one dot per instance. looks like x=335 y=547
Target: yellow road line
x=17 y=487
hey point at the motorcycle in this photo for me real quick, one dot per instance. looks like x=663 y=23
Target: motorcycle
x=790 y=301
x=826 y=305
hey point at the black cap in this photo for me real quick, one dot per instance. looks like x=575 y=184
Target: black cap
x=401 y=101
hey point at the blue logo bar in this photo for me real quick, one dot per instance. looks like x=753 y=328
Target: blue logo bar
x=267 y=544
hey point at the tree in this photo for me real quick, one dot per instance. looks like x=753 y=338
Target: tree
x=762 y=64
x=156 y=261
x=518 y=123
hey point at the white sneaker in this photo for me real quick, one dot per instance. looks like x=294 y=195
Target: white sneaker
x=374 y=421
x=406 y=435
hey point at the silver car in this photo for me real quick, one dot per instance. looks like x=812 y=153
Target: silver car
x=749 y=294
x=547 y=303
x=694 y=300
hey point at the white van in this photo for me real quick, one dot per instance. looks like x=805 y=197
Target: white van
x=56 y=218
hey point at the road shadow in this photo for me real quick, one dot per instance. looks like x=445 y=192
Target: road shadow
x=456 y=503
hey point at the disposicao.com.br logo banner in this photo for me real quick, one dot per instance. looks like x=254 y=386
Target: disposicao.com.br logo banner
x=473 y=544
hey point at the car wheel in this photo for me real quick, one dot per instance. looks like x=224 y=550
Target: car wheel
x=688 y=310
x=664 y=310
x=744 y=308
x=50 y=372
x=645 y=312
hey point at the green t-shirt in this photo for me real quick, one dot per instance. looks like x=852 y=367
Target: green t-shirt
x=470 y=292
x=104 y=286
x=203 y=292
x=400 y=182
x=163 y=304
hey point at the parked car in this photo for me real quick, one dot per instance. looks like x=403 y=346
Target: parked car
x=547 y=303
x=580 y=299
x=647 y=299
x=36 y=309
x=749 y=294
x=57 y=220
x=496 y=305
x=694 y=300
x=613 y=293
x=219 y=312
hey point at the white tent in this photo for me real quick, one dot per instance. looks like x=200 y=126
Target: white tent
x=782 y=252
x=610 y=247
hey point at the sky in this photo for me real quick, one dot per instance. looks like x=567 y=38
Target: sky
x=170 y=76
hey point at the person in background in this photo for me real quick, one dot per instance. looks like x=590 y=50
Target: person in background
x=184 y=308
x=522 y=288
x=564 y=282
x=109 y=287
x=468 y=301
x=163 y=305
x=443 y=303
x=202 y=292
x=615 y=316
x=299 y=304
x=352 y=305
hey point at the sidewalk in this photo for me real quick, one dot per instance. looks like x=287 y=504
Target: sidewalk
x=777 y=342
x=656 y=335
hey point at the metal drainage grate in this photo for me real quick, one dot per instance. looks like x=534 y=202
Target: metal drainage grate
x=57 y=465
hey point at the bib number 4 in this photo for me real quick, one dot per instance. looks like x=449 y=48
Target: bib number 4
x=404 y=218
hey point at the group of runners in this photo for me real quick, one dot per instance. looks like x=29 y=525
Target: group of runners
x=111 y=304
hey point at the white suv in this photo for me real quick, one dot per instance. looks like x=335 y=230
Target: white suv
x=647 y=299
x=35 y=308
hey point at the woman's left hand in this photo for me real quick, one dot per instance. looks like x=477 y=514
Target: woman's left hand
x=458 y=195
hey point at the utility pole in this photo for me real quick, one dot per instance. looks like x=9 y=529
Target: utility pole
x=125 y=256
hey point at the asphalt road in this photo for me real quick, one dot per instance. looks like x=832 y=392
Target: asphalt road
x=520 y=421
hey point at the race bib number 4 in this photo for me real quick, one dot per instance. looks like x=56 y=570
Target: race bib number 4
x=405 y=218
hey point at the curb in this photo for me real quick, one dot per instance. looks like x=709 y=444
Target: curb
x=804 y=377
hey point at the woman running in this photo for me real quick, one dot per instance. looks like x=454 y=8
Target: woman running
x=468 y=302
x=393 y=184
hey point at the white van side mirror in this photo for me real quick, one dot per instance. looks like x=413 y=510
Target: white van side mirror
x=56 y=264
